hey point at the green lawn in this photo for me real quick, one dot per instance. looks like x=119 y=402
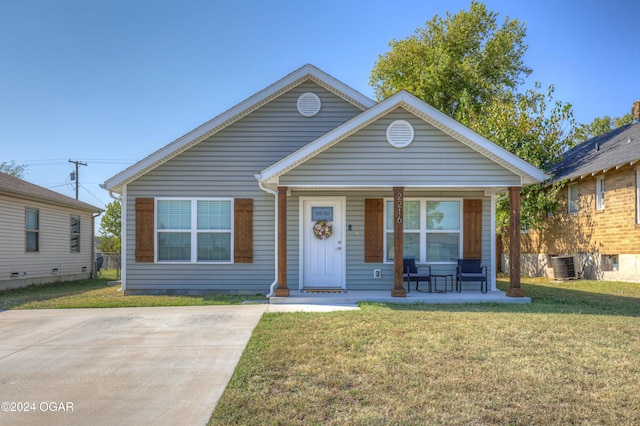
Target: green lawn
x=570 y=357
x=99 y=294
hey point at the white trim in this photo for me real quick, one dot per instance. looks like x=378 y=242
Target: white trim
x=174 y=148
x=342 y=236
x=123 y=239
x=600 y=192
x=637 y=195
x=569 y=210
x=527 y=172
x=193 y=231
x=423 y=228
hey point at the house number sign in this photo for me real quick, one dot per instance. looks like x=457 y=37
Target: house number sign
x=399 y=206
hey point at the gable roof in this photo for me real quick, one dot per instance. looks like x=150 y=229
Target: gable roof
x=528 y=173
x=613 y=149
x=307 y=72
x=22 y=189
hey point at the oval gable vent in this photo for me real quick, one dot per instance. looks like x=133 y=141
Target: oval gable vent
x=309 y=104
x=400 y=133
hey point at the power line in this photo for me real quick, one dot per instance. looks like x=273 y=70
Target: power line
x=90 y=193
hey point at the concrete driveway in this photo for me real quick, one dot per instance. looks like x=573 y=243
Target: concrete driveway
x=125 y=366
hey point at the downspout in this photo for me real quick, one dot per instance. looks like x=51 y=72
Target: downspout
x=114 y=197
x=275 y=194
x=123 y=233
x=123 y=239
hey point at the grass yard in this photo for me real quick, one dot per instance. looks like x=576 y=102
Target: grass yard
x=570 y=357
x=99 y=294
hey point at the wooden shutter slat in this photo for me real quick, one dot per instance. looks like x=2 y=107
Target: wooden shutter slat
x=472 y=228
x=243 y=230
x=373 y=230
x=144 y=229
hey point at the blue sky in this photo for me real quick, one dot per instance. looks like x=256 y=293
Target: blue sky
x=108 y=82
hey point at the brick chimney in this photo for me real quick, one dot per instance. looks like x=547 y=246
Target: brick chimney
x=635 y=112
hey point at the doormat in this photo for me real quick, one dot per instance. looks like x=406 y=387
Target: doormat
x=323 y=290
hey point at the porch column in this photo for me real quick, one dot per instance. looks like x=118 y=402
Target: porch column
x=398 y=233
x=514 y=289
x=282 y=290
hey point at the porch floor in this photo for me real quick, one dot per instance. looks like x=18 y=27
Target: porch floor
x=384 y=296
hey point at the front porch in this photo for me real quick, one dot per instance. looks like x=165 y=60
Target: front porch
x=383 y=296
x=372 y=230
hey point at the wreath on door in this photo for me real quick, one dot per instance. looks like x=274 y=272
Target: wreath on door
x=322 y=229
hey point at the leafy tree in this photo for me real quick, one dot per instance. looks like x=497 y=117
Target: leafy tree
x=111 y=228
x=535 y=128
x=600 y=126
x=13 y=169
x=470 y=69
x=466 y=54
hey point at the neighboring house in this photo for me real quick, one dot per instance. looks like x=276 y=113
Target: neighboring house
x=598 y=222
x=310 y=185
x=44 y=236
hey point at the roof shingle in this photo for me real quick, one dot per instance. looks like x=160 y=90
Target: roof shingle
x=15 y=186
x=615 y=148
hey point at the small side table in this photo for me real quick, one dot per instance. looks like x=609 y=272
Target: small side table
x=448 y=279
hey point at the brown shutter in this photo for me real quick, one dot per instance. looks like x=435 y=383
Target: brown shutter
x=472 y=229
x=373 y=230
x=144 y=229
x=243 y=230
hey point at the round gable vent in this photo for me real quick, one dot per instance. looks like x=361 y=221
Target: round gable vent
x=309 y=104
x=400 y=133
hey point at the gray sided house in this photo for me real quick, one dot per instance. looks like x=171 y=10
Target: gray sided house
x=44 y=236
x=310 y=185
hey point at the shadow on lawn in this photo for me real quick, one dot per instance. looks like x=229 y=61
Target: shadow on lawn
x=16 y=297
x=549 y=299
x=83 y=294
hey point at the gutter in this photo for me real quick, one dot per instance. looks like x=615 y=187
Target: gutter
x=275 y=194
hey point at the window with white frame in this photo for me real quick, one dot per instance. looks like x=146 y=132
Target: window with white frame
x=75 y=234
x=431 y=230
x=194 y=230
x=32 y=226
x=573 y=198
x=600 y=193
x=638 y=195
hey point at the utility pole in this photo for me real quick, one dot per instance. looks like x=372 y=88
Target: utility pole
x=77 y=176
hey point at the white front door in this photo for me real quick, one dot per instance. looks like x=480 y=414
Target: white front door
x=323 y=255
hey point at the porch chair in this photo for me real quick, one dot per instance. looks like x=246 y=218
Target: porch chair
x=470 y=270
x=412 y=273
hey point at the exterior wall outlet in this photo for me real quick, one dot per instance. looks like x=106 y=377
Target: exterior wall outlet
x=377 y=273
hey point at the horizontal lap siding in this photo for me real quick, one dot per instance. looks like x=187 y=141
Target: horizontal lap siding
x=54 y=241
x=225 y=165
x=359 y=273
x=433 y=158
